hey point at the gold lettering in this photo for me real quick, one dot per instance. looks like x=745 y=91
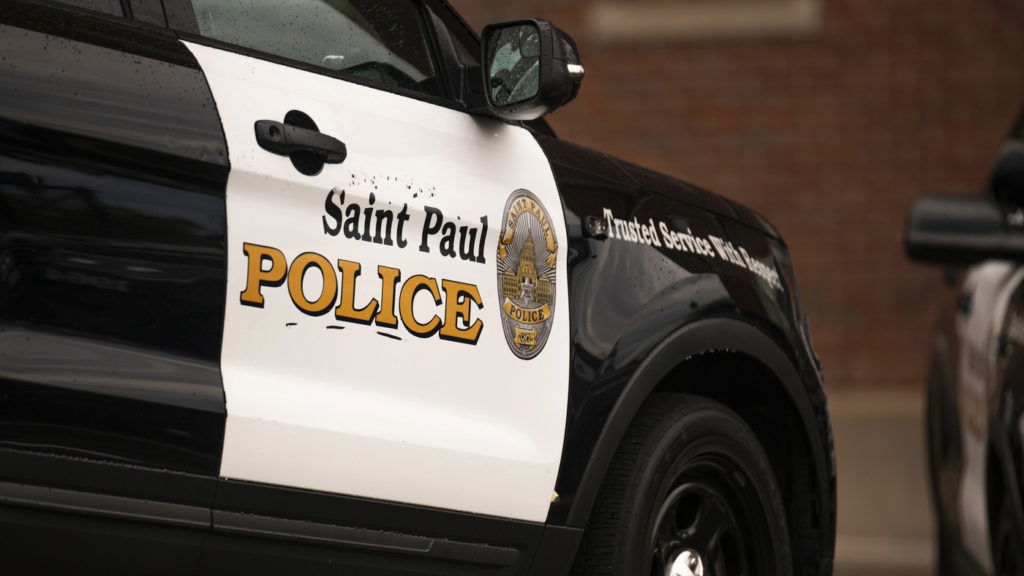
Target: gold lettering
x=389 y=278
x=297 y=275
x=268 y=266
x=527 y=315
x=346 y=309
x=457 y=297
x=408 y=295
x=256 y=277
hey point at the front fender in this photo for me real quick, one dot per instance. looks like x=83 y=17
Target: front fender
x=702 y=336
x=660 y=271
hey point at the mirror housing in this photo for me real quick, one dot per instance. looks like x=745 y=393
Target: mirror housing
x=529 y=68
x=960 y=231
x=1007 y=182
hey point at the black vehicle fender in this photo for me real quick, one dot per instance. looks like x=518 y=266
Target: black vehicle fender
x=702 y=336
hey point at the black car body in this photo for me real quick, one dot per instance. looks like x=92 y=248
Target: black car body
x=127 y=347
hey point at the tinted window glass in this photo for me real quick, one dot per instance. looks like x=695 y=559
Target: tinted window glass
x=106 y=6
x=150 y=11
x=466 y=45
x=383 y=41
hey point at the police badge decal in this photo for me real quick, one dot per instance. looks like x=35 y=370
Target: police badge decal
x=527 y=254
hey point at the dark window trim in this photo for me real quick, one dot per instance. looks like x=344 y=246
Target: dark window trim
x=437 y=57
x=444 y=6
x=430 y=39
x=87 y=33
x=127 y=19
x=81 y=10
x=452 y=71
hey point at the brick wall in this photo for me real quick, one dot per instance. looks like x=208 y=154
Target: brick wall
x=830 y=135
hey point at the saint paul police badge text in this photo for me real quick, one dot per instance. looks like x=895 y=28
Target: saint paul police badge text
x=527 y=254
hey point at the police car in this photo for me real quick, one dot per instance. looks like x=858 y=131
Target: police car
x=975 y=387
x=310 y=287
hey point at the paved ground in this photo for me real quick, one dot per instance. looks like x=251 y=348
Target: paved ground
x=847 y=570
x=885 y=517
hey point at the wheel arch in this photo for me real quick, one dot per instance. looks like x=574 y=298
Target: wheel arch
x=734 y=347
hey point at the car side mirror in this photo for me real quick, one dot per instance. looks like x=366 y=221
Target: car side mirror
x=1007 y=183
x=530 y=68
x=961 y=231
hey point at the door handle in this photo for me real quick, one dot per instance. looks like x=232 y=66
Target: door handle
x=284 y=139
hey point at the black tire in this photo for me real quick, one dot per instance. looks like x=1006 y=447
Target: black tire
x=689 y=476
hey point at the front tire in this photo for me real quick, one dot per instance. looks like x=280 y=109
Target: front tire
x=689 y=491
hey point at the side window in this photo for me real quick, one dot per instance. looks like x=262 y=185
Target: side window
x=381 y=41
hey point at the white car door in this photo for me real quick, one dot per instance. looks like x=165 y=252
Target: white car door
x=396 y=323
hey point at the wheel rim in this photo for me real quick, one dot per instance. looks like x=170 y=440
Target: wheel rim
x=711 y=523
